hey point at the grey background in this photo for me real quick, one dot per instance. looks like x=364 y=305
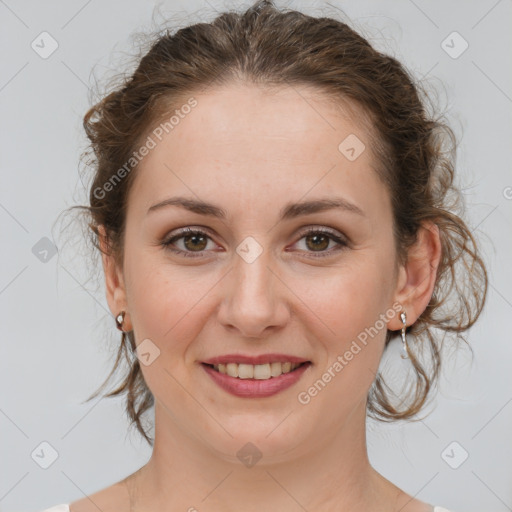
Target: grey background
x=57 y=334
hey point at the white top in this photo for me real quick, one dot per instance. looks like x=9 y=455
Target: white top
x=65 y=508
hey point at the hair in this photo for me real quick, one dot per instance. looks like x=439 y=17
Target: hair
x=415 y=153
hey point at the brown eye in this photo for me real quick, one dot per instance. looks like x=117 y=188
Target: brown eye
x=193 y=241
x=317 y=241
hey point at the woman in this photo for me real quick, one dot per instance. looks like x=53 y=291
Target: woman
x=270 y=202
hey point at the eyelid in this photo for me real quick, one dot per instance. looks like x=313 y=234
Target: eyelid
x=321 y=229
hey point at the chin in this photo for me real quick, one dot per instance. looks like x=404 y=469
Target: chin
x=266 y=438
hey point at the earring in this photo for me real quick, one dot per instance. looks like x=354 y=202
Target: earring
x=405 y=346
x=120 y=320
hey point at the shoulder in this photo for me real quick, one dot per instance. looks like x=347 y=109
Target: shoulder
x=111 y=499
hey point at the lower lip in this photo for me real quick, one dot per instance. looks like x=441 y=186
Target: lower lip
x=256 y=388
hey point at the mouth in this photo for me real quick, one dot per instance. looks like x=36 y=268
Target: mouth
x=263 y=371
x=260 y=380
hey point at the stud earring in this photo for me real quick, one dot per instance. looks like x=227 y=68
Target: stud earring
x=120 y=320
x=405 y=346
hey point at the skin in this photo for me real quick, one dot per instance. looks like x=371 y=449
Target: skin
x=250 y=151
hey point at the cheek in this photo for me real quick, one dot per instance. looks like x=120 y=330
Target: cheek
x=349 y=309
x=168 y=310
x=166 y=303
x=348 y=300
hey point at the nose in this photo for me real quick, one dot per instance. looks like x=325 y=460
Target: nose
x=255 y=300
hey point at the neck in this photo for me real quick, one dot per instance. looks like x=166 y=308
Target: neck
x=331 y=474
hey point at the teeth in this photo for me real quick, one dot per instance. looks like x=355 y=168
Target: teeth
x=245 y=371
x=262 y=371
x=275 y=369
x=231 y=369
x=257 y=371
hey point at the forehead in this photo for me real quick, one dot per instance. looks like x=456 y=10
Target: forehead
x=243 y=113
x=245 y=137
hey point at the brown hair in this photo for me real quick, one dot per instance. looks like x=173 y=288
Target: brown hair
x=415 y=153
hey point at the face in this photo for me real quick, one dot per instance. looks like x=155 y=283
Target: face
x=255 y=283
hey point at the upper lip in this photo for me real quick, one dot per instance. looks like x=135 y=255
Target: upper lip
x=261 y=359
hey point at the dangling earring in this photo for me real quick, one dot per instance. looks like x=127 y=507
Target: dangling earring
x=120 y=320
x=405 y=346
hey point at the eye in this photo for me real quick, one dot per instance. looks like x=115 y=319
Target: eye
x=194 y=242
x=317 y=240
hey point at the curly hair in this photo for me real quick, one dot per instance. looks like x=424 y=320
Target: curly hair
x=415 y=152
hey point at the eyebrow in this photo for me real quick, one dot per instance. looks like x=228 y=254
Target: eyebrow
x=289 y=211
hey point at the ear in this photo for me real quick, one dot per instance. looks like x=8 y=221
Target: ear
x=416 y=279
x=114 y=281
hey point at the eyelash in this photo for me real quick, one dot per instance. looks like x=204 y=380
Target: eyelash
x=190 y=254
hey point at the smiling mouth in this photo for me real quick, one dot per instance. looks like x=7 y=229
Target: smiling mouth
x=256 y=371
